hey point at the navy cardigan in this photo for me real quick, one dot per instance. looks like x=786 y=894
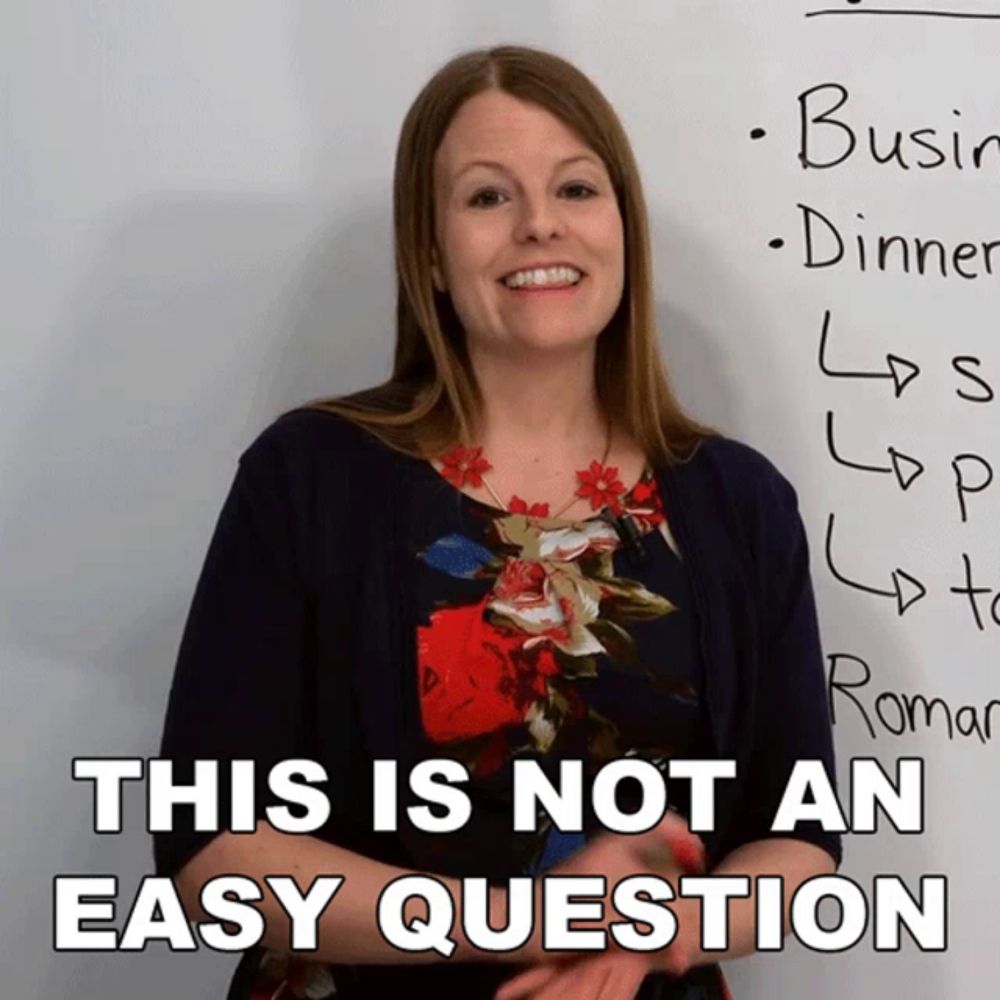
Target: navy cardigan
x=299 y=640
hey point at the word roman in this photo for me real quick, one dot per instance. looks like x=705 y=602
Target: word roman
x=897 y=713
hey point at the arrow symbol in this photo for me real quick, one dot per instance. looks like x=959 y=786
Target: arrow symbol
x=905 y=467
x=906 y=589
x=900 y=370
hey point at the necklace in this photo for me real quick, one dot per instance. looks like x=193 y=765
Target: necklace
x=598 y=482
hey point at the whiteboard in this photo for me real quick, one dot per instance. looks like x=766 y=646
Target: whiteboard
x=197 y=209
x=815 y=301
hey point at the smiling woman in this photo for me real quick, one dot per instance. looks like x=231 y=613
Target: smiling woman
x=510 y=177
x=517 y=547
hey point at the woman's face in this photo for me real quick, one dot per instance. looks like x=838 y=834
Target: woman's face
x=545 y=200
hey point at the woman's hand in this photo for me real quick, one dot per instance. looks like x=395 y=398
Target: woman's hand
x=669 y=850
x=608 y=975
x=605 y=976
x=666 y=849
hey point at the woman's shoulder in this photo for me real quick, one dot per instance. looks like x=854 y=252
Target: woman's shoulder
x=305 y=428
x=726 y=479
x=742 y=467
x=310 y=438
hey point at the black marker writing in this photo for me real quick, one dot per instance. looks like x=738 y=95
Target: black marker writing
x=824 y=121
x=906 y=589
x=897 y=713
x=855 y=8
x=905 y=467
x=901 y=370
x=828 y=243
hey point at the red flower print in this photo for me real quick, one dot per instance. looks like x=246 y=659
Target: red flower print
x=602 y=485
x=464 y=465
x=476 y=677
x=551 y=604
x=519 y=506
x=646 y=495
x=520 y=578
x=644 y=491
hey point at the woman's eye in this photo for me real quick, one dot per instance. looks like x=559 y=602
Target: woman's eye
x=476 y=201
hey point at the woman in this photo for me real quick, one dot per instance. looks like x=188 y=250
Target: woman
x=518 y=546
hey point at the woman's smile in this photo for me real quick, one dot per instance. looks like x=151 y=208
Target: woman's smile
x=529 y=291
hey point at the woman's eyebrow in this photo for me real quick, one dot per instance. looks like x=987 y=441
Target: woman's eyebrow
x=504 y=169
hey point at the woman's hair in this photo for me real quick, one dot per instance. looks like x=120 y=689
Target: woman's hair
x=432 y=400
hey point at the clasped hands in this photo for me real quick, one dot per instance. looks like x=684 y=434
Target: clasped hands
x=669 y=850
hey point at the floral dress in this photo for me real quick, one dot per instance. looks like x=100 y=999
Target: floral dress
x=546 y=639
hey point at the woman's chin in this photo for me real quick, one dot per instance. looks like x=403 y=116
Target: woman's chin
x=551 y=345
x=548 y=338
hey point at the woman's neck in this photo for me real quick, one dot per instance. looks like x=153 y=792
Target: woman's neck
x=539 y=415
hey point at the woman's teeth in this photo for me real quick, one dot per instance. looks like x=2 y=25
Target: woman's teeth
x=552 y=277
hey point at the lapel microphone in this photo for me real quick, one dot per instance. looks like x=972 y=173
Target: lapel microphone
x=631 y=540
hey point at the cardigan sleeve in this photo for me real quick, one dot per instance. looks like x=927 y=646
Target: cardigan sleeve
x=792 y=719
x=239 y=684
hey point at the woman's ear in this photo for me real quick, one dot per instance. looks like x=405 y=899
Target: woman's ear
x=436 y=273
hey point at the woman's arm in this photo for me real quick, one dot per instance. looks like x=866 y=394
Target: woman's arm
x=795 y=861
x=347 y=932
x=618 y=976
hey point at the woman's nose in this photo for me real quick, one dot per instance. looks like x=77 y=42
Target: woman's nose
x=540 y=218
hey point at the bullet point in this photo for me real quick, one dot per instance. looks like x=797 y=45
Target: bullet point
x=777 y=243
x=757 y=133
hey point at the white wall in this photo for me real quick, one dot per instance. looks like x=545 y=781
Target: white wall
x=195 y=211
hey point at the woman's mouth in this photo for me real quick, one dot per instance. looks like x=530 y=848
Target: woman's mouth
x=560 y=289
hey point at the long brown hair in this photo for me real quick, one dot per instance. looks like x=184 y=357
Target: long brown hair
x=432 y=400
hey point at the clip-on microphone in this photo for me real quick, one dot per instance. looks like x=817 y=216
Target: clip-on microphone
x=631 y=540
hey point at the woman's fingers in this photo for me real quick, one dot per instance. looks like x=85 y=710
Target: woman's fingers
x=624 y=976
x=600 y=977
x=624 y=982
x=527 y=983
x=591 y=983
x=583 y=980
x=672 y=842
